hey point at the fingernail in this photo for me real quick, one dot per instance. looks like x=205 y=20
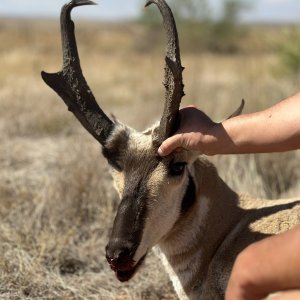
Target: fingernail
x=160 y=152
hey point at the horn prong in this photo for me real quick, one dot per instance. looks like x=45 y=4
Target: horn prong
x=71 y=85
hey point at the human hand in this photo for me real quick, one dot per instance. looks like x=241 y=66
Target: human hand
x=194 y=133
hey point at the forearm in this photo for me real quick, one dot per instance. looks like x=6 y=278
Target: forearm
x=276 y=129
x=269 y=266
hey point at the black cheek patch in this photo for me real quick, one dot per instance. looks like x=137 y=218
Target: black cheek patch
x=189 y=196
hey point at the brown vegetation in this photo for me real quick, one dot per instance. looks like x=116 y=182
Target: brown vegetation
x=56 y=196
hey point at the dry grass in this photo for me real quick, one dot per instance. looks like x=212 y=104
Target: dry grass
x=56 y=199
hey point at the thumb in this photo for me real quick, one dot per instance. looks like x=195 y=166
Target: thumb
x=170 y=144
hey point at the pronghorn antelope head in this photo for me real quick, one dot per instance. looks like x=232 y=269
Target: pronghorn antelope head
x=155 y=192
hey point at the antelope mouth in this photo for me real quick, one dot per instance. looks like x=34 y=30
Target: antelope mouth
x=125 y=274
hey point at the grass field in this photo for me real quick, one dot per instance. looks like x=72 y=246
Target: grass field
x=56 y=196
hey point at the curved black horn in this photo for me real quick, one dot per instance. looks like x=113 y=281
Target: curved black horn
x=173 y=76
x=71 y=85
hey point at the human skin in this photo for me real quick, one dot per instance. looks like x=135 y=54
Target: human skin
x=275 y=129
x=269 y=266
x=290 y=295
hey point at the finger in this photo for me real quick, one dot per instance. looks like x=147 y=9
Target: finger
x=170 y=144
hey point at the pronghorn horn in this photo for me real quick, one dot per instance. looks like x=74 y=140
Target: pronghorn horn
x=238 y=111
x=71 y=85
x=173 y=76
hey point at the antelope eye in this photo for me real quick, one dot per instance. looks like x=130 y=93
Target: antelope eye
x=177 y=169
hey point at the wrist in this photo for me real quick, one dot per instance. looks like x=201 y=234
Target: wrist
x=217 y=141
x=208 y=141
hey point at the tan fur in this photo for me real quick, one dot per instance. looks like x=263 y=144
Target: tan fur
x=228 y=226
x=119 y=182
x=198 y=247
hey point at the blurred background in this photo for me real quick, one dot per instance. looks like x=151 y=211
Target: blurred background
x=57 y=201
x=274 y=11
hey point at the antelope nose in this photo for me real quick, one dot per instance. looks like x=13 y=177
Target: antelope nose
x=119 y=258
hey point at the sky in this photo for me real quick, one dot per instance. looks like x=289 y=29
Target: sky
x=262 y=10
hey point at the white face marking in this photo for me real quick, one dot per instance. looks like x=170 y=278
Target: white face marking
x=190 y=234
x=119 y=182
x=183 y=271
x=174 y=278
